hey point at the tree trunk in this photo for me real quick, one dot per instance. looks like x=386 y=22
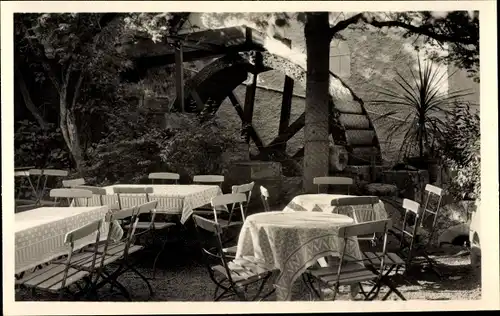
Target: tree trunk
x=27 y=99
x=69 y=129
x=316 y=149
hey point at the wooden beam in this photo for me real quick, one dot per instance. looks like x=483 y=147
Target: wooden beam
x=249 y=103
x=286 y=107
x=290 y=131
x=196 y=97
x=179 y=75
x=252 y=133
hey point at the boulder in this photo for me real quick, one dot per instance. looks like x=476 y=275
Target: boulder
x=381 y=189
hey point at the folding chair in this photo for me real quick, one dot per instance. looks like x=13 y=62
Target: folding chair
x=221 y=202
x=151 y=226
x=431 y=209
x=206 y=210
x=348 y=270
x=208 y=179
x=59 y=276
x=73 y=183
x=409 y=247
x=119 y=191
x=70 y=195
x=346 y=206
x=46 y=174
x=245 y=189
x=116 y=250
x=25 y=183
x=338 y=181
x=233 y=277
x=98 y=196
x=164 y=177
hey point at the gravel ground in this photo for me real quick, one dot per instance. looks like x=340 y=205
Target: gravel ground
x=181 y=276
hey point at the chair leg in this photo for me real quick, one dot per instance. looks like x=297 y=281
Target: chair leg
x=150 y=288
x=158 y=256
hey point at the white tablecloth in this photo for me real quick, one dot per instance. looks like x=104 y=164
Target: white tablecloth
x=40 y=232
x=322 y=203
x=292 y=242
x=172 y=198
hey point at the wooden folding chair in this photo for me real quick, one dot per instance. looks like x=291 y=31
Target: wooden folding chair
x=70 y=195
x=206 y=210
x=45 y=174
x=348 y=270
x=25 y=183
x=221 y=202
x=164 y=177
x=73 y=182
x=337 y=181
x=118 y=251
x=408 y=237
x=209 y=179
x=98 y=196
x=151 y=226
x=245 y=189
x=233 y=277
x=59 y=276
x=431 y=208
x=350 y=206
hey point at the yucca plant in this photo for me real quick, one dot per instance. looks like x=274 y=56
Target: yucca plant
x=423 y=124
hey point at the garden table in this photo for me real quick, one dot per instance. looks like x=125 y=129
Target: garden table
x=40 y=233
x=175 y=199
x=292 y=242
x=322 y=203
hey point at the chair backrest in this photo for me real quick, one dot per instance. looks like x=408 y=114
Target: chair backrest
x=431 y=207
x=246 y=189
x=96 y=191
x=348 y=234
x=208 y=252
x=70 y=195
x=208 y=179
x=411 y=207
x=344 y=181
x=78 y=234
x=264 y=196
x=344 y=205
x=127 y=214
x=73 y=182
x=164 y=176
x=226 y=199
x=131 y=190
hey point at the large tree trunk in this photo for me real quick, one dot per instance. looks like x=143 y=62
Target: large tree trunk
x=316 y=149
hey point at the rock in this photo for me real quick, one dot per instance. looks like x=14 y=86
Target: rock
x=381 y=189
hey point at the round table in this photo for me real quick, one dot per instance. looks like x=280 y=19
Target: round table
x=322 y=203
x=292 y=242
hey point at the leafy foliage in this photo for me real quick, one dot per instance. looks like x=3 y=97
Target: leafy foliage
x=461 y=148
x=38 y=148
x=197 y=148
x=426 y=106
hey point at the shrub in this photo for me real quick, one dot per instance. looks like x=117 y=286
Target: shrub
x=39 y=148
x=197 y=148
x=461 y=150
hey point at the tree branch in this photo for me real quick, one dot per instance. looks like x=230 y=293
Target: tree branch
x=424 y=29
